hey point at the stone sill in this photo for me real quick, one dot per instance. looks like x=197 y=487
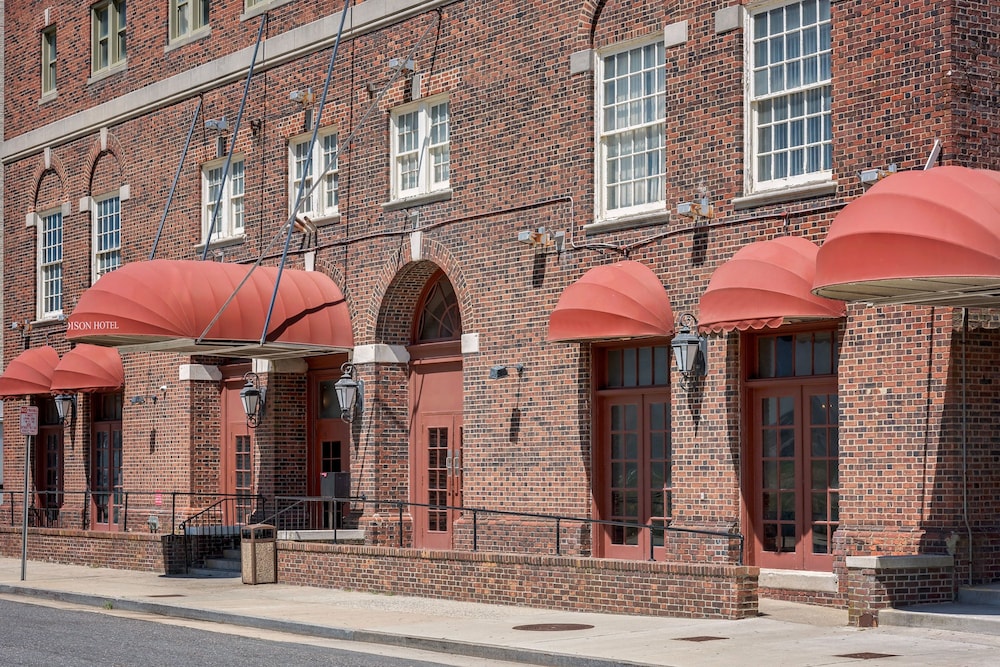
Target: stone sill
x=886 y=563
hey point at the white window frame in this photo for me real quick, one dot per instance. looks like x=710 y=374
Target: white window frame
x=49 y=60
x=324 y=201
x=187 y=17
x=775 y=159
x=50 y=225
x=230 y=222
x=426 y=154
x=613 y=172
x=106 y=254
x=107 y=41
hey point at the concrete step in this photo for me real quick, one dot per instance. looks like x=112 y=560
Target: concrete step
x=227 y=564
x=976 y=609
x=213 y=573
x=232 y=554
x=987 y=594
x=955 y=616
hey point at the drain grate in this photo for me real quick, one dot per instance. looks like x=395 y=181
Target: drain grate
x=702 y=638
x=553 y=627
x=866 y=655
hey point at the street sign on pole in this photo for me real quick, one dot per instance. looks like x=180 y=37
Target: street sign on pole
x=29 y=420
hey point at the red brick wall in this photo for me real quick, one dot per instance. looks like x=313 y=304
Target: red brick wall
x=606 y=586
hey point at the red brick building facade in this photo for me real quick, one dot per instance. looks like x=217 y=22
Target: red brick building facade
x=486 y=190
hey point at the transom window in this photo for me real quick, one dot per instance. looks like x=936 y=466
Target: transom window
x=50 y=264
x=796 y=355
x=790 y=74
x=440 y=318
x=187 y=16
x=421 y=153
x=306 y=169
x=222 y=202
x=107 y=35
x=107 y=235
x=49 y=60
x=631 y=108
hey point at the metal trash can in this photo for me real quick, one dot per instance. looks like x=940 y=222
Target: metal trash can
x=259 y=554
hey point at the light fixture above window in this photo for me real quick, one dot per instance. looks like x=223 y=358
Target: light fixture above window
x=252 y=397
x=690 y=350
x=350 y=393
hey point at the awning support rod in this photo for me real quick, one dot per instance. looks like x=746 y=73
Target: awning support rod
x=173 y=186
x=232 y=144
x=306 y=169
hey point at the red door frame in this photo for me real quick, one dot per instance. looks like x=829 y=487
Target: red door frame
x=236 y=455
x=435 y=402
x=754 y=389
x=330 y=429
x=644 y=397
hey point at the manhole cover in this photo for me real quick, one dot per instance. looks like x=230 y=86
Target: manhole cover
x=699 y=639
x=166 y=595
x=866 y=655
x=553 y=627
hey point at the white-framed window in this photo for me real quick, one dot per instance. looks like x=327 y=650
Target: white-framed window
x=228 y=220
x=324 y=200
x=49 y=60
x=631 y=107
x=789 y=74
x=187 y=17
x=107 y=244
x=421 y=151
x=107 y=35
x=50 y=264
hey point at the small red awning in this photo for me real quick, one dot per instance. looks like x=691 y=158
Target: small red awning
x=613 y=302
x=765 y=284
x=920 y=237
x=167 y=305
x=29 y=372
x=88 y=368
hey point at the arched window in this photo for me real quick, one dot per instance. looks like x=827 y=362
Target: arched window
x=440 y=318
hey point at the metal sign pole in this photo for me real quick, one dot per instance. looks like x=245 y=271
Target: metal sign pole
x=24 y=509
x=29 y=429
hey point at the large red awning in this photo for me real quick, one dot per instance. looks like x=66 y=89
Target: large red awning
x=765 y=284
x=29 y=372
x=613 y=302
x=920 y=237
x=170 y=305
x=88 y=368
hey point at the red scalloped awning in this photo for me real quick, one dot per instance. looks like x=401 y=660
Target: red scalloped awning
x=613 y=302
x=29 y=372
x=920 y=237
x=765 y=284
x=167 y=305
x=88 y=368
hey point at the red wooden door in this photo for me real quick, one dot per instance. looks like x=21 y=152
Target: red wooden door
x=796 y=480
x=634 y=475
x=435 y=450
x=330 y=451
x=235 y=455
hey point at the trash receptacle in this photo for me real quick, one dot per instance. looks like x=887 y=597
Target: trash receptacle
x=259 y=554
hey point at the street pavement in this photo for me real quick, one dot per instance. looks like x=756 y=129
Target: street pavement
x=784 y=634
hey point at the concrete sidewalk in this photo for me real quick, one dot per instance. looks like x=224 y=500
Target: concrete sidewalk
x=784 y=634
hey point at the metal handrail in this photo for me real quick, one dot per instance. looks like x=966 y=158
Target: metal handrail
x=557 y=519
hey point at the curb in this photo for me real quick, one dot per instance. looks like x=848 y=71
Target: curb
x=434 y=645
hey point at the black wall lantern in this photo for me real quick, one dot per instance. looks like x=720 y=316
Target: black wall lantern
x=252 y=396
x=690 y=350
x=66 y=407
x=350 y=393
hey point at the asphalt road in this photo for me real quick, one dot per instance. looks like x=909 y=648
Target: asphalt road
x=62 y=635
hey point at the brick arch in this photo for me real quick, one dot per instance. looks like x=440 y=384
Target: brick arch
x=41 y=198
x=96 y=162
x=400 y=287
